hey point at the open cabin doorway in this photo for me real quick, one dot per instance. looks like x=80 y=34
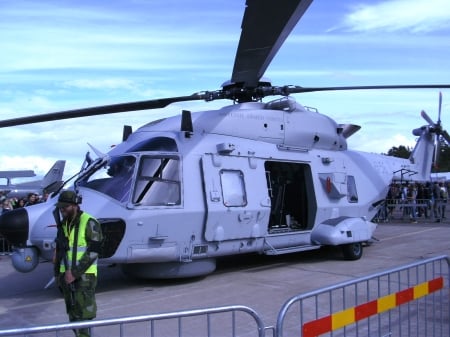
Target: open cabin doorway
x=291 y=191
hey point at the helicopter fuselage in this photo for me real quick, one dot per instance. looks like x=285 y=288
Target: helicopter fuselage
x=249 y=178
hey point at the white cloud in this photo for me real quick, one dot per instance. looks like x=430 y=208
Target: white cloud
x=380 y=143
x=93 y=35
x=38 y=164
x=109 y=83
x=417 y=16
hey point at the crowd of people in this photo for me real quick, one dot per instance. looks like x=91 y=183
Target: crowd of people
x=414 y=200
x=13 y=203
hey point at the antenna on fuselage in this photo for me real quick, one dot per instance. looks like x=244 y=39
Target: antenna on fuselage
x=186 y=123
x=127 y=131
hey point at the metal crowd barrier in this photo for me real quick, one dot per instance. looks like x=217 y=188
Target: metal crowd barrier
x=412 y=300
x=401 y=209
x=222 y=321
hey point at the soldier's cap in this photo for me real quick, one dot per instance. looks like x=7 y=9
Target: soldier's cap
x=67 y=198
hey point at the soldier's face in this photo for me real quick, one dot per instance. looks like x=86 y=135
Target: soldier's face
x=68 y=211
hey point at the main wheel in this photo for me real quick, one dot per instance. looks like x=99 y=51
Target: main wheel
x=352 y=251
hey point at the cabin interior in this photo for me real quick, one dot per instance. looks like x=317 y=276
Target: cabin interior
x=292 y=196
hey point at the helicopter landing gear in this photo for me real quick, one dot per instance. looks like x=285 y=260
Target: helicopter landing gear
x=352 y=251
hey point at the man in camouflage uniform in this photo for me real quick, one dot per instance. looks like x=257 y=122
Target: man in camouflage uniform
x=77 y=250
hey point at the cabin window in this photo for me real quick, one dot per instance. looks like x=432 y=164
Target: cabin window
x=158 y=181
x=352 y=194
x=233 y=188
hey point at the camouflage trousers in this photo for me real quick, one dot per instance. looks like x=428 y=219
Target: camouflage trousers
x=80 y=300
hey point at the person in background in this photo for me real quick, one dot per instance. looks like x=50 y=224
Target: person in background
x=420 y=199
x=428 y=199
x=444 y=195
x=436 y=202
x=20 y=203
x=44 y=197
x=6 y=206
x=411 y=195
x=32 y=199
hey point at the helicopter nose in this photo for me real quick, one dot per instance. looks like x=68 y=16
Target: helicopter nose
x=14 y=226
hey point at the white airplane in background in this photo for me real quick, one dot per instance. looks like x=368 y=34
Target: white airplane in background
x=50 y=183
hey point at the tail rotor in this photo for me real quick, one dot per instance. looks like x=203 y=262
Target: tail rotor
x=437 y=129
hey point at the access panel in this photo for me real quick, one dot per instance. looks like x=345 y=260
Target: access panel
x=238 y=204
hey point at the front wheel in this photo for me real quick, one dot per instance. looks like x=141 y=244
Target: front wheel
x=352 y=251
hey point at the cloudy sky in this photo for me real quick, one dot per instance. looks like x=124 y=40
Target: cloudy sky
x=61 y=55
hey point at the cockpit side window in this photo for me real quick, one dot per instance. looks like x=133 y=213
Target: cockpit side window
x=158 y=181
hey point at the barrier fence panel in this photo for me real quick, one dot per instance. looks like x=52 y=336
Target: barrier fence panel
x=222 y=321
x=411 y=300
x=418 y=209
x=5 y=247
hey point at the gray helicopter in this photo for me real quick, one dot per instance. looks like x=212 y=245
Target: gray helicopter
x=256 y=177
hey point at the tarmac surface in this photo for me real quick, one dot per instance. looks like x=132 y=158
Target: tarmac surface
x=263 y=283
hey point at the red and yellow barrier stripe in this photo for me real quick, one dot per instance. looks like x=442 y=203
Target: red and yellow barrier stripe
x=349 y=316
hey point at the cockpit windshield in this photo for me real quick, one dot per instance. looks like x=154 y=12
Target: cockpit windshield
x=155 y=183
x=114 y=179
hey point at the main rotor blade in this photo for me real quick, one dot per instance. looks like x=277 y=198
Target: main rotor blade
x=297 y=89
x=100 y=110
x=265 y=26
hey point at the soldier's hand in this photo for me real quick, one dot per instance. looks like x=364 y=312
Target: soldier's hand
x=68 y=277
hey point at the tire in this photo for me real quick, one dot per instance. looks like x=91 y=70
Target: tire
x=352 y=251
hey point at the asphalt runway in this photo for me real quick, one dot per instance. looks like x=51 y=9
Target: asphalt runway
x=262 y=283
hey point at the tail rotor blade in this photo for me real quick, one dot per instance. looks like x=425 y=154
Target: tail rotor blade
x=427 y=118
x=437 y=151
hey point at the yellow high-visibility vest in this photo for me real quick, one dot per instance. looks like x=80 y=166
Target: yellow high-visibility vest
x=81 y=244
